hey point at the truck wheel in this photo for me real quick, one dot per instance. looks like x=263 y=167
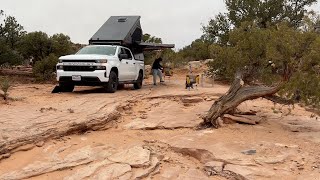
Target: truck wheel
x=66 y=87
x=138 y=84
x=112 y=85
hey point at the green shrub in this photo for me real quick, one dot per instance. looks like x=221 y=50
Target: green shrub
x=5 y=86
x=8 y=56
x=44 y=69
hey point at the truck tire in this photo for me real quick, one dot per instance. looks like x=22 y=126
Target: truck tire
x=112 y=85
x=138 y=83
x=66 y=87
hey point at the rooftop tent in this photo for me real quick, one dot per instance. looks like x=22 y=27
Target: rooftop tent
x=125 y=31
x=119 y=30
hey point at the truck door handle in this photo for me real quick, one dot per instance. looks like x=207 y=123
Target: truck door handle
x=134 y=63
x=127 y=63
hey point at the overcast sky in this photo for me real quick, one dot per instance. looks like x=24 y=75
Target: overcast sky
x=175 y=21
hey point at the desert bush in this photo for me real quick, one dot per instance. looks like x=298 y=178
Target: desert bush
x=198 y=50
x=44 y=70
x=8 y=56
x=5 y=86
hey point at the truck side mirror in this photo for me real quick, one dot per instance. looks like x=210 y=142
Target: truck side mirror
x=123 y=56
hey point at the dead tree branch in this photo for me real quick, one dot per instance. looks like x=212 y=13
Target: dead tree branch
x=237 y=94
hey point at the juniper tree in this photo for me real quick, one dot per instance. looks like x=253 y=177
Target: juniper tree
x=277 y=61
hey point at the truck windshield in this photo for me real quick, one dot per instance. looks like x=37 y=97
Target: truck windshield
x=101 y=50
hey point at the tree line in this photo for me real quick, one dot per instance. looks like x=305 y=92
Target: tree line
x=261 y=14
x=38 y=48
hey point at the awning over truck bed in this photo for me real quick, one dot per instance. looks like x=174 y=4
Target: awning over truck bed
x=155 y=46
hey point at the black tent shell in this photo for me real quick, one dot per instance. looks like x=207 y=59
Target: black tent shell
x=125 y=31
x=120 y=30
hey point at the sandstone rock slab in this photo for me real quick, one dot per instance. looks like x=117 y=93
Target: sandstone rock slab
x=193 y=174
x=27 y=123
x=135 y=157
x=192 y=100
x=249 y=172
x=145 y=172
x=216 y=166
x=179 y=116
x=271 y=159
x=113 y=171
x=88 y=170
x=139 y=123
x=79 y=157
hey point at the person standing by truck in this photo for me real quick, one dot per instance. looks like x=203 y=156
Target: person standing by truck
x=157 y=71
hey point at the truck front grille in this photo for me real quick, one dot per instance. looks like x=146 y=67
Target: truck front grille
x=79 y=68
x=87 y=61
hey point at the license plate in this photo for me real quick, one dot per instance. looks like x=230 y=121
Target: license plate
x=76 y=78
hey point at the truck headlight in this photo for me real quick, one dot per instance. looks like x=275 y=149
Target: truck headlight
x=102 y=61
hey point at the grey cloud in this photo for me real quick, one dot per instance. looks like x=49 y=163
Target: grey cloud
x=175 y=21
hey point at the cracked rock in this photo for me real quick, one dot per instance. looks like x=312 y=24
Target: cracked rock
x=136 y=157
x=5 y=156
x=88 y=171
x=271 y=160
x=215 y=166
x=143 y=173
x=114 y=171
x=79 y=157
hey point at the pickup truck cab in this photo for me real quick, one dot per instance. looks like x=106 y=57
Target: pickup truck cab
x=100 y=65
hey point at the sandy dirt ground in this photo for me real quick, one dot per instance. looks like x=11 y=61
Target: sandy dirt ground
x=150 y=134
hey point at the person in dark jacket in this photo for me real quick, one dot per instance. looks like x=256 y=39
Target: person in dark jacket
x=156 y=71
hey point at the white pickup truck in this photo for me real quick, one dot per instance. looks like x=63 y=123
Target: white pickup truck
x=100 y=65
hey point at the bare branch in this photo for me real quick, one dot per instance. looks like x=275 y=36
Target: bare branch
x=237 y=94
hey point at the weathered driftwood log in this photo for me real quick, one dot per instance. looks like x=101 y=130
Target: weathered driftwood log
x=256 y=119
x=253 y=120
x=237 y=94
x=239 y=119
